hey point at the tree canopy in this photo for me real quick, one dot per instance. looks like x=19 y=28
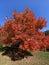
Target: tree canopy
x=25 y=28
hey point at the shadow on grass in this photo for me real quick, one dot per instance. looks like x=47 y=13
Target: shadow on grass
x=15 y=53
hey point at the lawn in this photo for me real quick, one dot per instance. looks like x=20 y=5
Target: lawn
x=38 y=58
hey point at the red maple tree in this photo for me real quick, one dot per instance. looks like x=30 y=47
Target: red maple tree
x=24 y=28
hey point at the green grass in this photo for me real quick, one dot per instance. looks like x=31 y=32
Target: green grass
x=42 y=54
x=43 y=57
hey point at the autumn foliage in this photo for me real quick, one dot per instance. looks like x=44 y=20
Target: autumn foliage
x=25 y=28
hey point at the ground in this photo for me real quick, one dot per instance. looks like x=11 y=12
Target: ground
x=38 y=58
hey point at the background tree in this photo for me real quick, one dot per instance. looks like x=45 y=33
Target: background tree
x=47 y=32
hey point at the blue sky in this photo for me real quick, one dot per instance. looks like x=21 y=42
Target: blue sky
x=39 y=7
